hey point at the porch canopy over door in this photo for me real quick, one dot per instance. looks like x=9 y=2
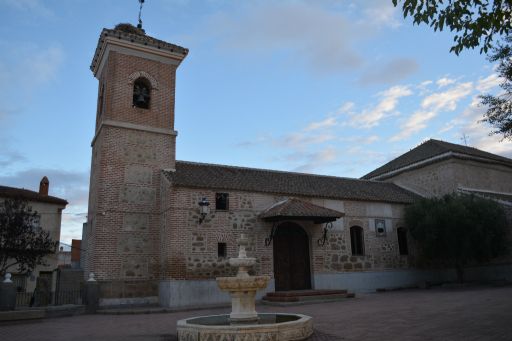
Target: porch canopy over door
x=295 y=209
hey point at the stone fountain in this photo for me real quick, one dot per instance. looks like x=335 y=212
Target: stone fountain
x=243 y=287
x=244 y=323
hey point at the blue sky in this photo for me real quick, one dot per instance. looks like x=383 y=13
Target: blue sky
x=327 y=87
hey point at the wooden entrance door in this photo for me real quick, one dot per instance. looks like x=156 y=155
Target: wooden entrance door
x=291 y=258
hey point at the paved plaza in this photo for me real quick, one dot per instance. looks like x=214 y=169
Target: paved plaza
x=482 y=313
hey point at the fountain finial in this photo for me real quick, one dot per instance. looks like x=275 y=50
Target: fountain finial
x=242 y=243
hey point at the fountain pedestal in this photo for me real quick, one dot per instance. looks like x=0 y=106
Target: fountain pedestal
x=243 y=293
x=243 y=287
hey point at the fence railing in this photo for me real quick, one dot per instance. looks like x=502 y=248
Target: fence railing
x=39 y=299
x=69 y=297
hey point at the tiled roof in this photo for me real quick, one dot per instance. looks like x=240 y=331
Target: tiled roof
x=435 y=148
x=220 y=177
x=134 y=35
x=298 y=209
x=21 y=193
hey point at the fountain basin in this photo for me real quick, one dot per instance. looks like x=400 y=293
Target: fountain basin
x=251 y=283
x=245 y=262
x=267 y=327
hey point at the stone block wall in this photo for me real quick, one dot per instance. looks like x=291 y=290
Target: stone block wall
x=447 y=176
x=189 y=249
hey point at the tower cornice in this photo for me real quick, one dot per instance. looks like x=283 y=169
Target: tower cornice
x=135 y=44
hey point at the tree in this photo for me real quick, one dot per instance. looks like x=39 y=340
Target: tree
x=23 y=242
x=477 y=23
x=499 y=112
x=457 y=230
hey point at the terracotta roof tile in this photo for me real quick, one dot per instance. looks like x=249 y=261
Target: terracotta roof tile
x=433 y=148
x=221 y=177
x=12 y=192
x=298 y=209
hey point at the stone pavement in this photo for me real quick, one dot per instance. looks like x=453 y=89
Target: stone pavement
x=482 y=313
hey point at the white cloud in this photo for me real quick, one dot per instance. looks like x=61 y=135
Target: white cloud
x=478 y=132
x=418 y=121
x=486 y=84
x=381 y=13
x=450 y=125
x=302 y=140
x=447 y=100
x=358 y=140
x=386 y=107
x=327 y=123
x=445 y=81
x=314 y=160
x=431 y=106
x=345 y=108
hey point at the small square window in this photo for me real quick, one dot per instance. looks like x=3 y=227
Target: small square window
x=222 y=201
x=380 y=227
x=222 y=250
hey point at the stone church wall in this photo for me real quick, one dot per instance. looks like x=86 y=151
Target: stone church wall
x=189 y=249
x=445 y=177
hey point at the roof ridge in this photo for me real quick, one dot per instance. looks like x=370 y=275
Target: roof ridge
x=36 y=195
x=278 y=171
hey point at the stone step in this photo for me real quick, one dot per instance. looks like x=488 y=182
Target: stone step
x=301 y=293
x=307 y=296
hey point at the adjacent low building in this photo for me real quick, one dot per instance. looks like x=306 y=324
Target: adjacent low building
x=49 y=209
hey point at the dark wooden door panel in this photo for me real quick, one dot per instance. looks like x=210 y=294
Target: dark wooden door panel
x=291 y=258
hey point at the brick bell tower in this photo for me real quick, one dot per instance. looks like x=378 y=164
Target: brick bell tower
x=134 y=141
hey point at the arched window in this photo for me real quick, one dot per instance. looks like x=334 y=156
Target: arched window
x=141 y=93
x=401 y=234
x=356 y=240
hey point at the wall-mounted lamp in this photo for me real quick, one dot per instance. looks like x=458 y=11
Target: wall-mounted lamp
x=328 y=226
x=204 y=209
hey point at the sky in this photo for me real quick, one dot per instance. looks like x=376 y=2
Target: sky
x=325 y=87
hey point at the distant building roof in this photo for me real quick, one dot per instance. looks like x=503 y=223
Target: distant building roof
x=298 y=209
x=12 y=192
x=133 y=34
x=221 y=177
x=433 y=151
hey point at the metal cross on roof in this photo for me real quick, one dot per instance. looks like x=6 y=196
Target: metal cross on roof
x=139 y=25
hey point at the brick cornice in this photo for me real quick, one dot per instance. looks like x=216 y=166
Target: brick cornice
x=125 y=125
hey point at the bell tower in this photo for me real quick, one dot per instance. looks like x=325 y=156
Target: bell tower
x=134 y=141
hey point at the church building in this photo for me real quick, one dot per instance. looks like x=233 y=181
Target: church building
x=161 y=230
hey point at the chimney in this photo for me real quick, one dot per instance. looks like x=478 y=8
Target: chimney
x=44 y=185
